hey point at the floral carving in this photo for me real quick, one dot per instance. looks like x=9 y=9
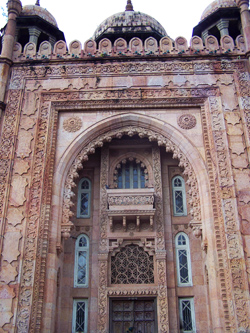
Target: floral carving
x=72 y=124
x=34 y=215
x=186 y=121
x=103 y=299
x=131 y=200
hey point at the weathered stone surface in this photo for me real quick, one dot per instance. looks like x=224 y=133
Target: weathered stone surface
x=15 y=216
x=8 y=274
x=11 y=244
x=21 y=166
x=27 y=123
x=17 y=196
x=24 y=143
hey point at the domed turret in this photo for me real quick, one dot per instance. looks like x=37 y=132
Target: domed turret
x=36 y=24
x=35 y=10
x=129 y=24
x=220 y=18
x=215 y=5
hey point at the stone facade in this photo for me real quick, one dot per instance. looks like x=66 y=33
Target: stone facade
x=172 y=110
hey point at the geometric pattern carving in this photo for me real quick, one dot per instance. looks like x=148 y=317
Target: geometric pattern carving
x=132 y=265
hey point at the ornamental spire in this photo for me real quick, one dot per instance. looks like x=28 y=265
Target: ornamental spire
x=37 y=3
x=129 y=7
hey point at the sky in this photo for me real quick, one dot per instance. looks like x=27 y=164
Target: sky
x=78 y=19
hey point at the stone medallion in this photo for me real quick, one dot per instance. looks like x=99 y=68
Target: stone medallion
x=187 y=121
x=72 y=124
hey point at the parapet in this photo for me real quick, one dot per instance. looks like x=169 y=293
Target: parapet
x=135 y=48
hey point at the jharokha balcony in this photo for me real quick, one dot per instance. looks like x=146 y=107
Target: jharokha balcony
x=131 y=209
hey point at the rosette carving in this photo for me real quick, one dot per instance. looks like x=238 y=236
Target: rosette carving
x=186 y=121
x=72 y=124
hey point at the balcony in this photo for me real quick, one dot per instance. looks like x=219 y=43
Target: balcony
x=131 y=206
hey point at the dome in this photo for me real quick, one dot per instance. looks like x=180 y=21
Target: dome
x=32 y=10
x=129 y=23
x=215 y=5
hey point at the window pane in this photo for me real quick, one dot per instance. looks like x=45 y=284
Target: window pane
x=82 y=263
x=135 y=176
x=83 y=242
x=177 y=182
x=186 y=315
x=80 y=317
x=178 y=202
x=127 y=176
x=85 y=185
x=183 y=266
x=181 y=240
x=142 y=176
x=119 y=178
x=84 y=204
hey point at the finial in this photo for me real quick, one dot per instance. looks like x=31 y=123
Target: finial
x=129 y=7
x=37 y=2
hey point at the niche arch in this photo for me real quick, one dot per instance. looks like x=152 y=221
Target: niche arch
x=134 y=155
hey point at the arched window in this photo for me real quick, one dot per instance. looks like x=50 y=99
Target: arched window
x=184 y=274
x=179 y=196
x=81 y=262
x=84 y=197
x=130 y=173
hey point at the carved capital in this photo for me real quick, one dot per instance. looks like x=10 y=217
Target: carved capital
x=196 y=227
x=14 y=6
x=160 y=255
x=66 y=230
x=103 y=256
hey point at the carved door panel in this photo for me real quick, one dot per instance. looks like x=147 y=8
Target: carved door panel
x=136 y=316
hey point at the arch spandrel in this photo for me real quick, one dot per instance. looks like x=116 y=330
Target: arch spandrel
x=143 y=126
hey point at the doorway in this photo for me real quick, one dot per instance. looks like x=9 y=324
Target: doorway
x=133 y=315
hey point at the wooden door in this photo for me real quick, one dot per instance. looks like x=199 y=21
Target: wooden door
x=136 y=316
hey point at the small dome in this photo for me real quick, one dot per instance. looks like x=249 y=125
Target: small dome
x=215 y=5
x=129 y=23
x=32 y=10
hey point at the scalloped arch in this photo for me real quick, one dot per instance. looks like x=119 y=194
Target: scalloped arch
x=144 y=126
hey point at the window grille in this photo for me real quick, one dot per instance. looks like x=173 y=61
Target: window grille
x=187 y=315
x=84 y=197
x=179 y=196
x=81 y=261
x=130 y=173
x=184 y=274
x=80 y=316
x=132 y=265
